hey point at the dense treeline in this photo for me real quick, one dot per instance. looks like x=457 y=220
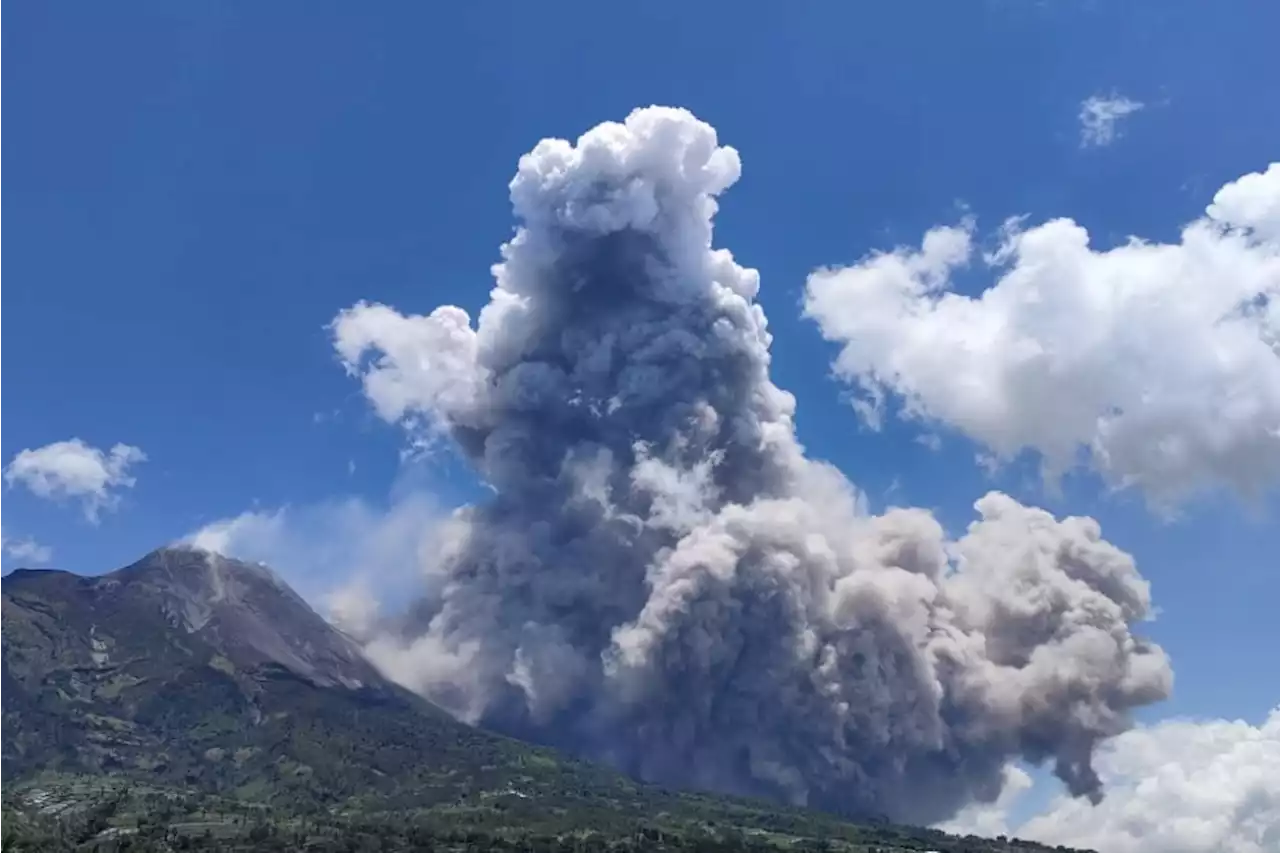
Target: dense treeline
x=99 y=828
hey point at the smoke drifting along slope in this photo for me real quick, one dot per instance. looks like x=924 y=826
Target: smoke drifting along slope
x=663 y=580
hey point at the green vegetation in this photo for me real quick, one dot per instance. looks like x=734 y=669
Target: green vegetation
x=115 y=814
x=126 y=728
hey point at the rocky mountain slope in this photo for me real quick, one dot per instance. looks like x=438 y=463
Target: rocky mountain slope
x=200 y=676
x=204 y=671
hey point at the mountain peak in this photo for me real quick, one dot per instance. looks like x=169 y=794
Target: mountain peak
x=204 y=578
x=246 y=611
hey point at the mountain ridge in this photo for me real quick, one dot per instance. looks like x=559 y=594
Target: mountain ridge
x=195 y=672
x=212 y=593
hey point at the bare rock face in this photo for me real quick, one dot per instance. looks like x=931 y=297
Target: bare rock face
x=190 y=669
x=245 y=611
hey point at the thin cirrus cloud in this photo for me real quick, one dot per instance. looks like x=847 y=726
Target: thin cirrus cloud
x=76 y=471
x=1158 y=360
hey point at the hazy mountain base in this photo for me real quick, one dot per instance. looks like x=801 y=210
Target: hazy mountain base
x=190 y=702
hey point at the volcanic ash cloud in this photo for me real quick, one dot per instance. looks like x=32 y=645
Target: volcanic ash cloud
x=663 y=580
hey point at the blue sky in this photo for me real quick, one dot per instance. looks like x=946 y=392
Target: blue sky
x=195 y=190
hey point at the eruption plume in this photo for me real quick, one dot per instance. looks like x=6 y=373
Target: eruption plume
x=663 y=580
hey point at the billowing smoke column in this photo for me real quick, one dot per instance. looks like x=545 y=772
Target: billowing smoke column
x=663 y=580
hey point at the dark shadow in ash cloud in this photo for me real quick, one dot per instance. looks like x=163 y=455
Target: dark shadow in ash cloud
x=662 y=579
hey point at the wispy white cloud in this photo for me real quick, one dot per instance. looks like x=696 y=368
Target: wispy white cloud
x=77 y=471
x=343 y=555
x=1179 y=786
x=1100 y=116
x=1161 y=361
x=27 y=551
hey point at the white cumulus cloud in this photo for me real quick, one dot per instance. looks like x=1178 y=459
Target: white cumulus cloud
x=423 y=364
x=1099 y=116
x=27 y=551
x=1179 y=786
x=76 y=470
x=1158 y=363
